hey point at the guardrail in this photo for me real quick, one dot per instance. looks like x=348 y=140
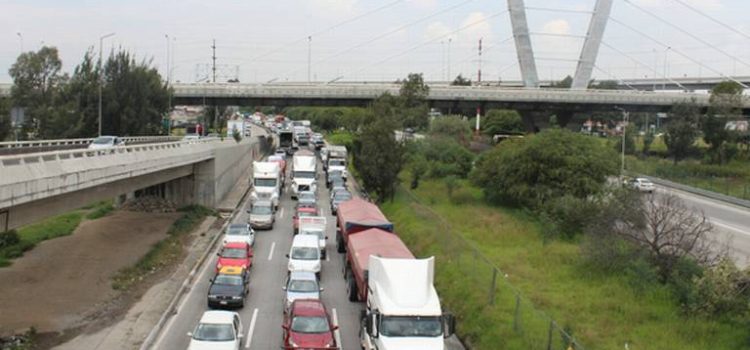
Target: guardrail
x=42 y=157
x=84 y=141
x=698 y=191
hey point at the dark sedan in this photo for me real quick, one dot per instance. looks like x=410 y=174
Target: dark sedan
x=228 y=290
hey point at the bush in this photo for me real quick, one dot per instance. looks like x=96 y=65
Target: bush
x=566 y=216
x=722 y=290
x=9 y=238
x=451 y=126
x=445 y=156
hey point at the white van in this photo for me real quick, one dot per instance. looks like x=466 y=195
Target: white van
x=304 y=254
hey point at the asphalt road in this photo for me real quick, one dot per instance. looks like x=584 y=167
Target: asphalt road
x=262 y=314
x=731 y=223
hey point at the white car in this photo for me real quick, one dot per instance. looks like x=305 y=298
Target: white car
x=304 y=254
x=242 y=233
x=103 y=142
x=217 y=330
x=642 y=185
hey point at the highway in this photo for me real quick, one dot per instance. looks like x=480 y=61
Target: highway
x=262 y=314
x=731 y=223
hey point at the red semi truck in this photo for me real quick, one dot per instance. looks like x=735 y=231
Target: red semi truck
x=370 y=242
x=357 y=215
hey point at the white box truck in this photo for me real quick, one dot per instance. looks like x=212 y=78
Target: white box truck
x=266 y=182
x=316 y=226
x=336 y=159
x=403 y=309
x=304 y=172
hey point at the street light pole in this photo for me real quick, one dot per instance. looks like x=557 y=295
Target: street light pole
x=309 y=57
x=625 y=115
x=101 y=75
x=166 y=36
x=664 y=82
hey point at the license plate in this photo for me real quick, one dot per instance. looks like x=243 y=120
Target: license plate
x=223 y=302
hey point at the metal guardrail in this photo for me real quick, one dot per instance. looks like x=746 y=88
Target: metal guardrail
x=42 y=157
x=701 y=192
x=83 y=141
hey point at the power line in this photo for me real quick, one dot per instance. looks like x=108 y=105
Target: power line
x=712 y=19
x=557 y=10
x=677 y=51
x=645 y=65
x=615 y=78
x=629 y=2
x=213 y=47
x=431 y=41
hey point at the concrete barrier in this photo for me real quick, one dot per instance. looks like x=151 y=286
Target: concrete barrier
x=698 y=191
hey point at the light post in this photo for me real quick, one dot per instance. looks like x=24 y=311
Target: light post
x=101 y=75
x=625 y=115
x=664 y=82
x=166 y=37
x=309 y=57
x=449 y=58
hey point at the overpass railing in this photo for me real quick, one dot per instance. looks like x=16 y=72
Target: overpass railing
x=56 y=156
x=84 y=141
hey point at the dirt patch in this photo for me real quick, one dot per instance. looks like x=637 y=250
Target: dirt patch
x=61 y=283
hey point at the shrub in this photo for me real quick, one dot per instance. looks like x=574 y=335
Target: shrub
x=566 y=216
x=9 y=238
x=722 y=290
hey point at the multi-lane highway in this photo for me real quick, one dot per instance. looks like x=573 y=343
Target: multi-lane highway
x=262 y=314
x=731 y=223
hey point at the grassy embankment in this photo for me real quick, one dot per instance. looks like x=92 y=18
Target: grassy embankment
x=57 y=226
x=166 y=251
x=601 y=311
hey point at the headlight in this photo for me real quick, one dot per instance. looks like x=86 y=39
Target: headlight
x=254 y=195
x=218 y=266
x=211 y=296
x=293 y=344
x=236 y=298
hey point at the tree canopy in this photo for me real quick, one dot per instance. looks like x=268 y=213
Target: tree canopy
x=682 y=129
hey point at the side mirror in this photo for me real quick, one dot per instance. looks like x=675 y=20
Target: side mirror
x=287 y=256
x=449 y=325
x=190 y=334
x=283 y=287
x=372 y=324
x=248 y=211
x=294 y=217
x=334 y=328
x=322 y=289
x=285 y=327
x=326 y=237
x=218 y=253
x=211 y=280
x=240 y=335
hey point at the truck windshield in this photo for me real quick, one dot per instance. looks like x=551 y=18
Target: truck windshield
x=305 y=253
x=411 y=326
x=304 y=174
x=265 y=182
x=336 y=162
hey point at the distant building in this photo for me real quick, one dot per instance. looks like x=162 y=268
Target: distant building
x=737 y=125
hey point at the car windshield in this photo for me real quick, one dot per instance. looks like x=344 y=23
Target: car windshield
x=305 y=214
x=305 y=253
x=234 y=253
x=316 y=233
x=342 y=196
x=410 y=326
x=261 y=210
x=265 y=182
x=238 y=231
x=103 y=140
x=304 y=174
x=306 y=196
x=228 y=280
x=336 y=162
x=213 y=332
x=307 y=324
x=302 y=286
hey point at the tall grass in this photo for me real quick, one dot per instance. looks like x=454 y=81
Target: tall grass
x=30 y=235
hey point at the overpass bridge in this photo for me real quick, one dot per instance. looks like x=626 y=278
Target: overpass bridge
x=37 y=185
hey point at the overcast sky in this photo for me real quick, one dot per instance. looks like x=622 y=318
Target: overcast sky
x=359 y=40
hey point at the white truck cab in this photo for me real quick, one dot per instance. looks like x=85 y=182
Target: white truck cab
x=304 y=172
x=403 y=309
x=336 y=159
x=315 y=226
x=304 y=254
x=266 y=182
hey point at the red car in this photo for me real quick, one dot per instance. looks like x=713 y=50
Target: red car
x=235 y=254
x=308 y=325
x=303 y=212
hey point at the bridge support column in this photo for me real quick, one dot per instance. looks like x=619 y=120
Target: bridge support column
x=204 y=183
x=525 y=52
x=180 y=191
x=591 y=45
x=121 y=199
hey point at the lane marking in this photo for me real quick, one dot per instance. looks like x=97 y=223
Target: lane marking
x=281 y=213
x=328 y=257
x=727 y=226
x=270 y=254
x=251 y=329
x=337 y=333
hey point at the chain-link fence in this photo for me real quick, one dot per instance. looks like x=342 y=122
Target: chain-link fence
x=472 y=279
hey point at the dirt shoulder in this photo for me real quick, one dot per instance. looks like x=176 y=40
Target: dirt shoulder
x=59 y=283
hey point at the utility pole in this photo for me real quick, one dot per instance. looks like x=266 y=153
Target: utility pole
x=214 y=60
x=449 y=58
x=664 y=82
x=625 y=115
x=166 y=36
x=101 y=75
x=479 y=72
x=309 y=57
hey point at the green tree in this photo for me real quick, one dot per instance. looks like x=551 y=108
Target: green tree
x=725 y=104
x=630 y=131
x=500 y=121
x=5 y=122
x=135 y=97
x=414 y=109
x=682 y=129
x=566 y=83
x=452 y=126
x=604 y=85
x=378 y=156
x=551 y=164
x=445 y=157
x=36 y=86
x=461 y=81
x=648 y=139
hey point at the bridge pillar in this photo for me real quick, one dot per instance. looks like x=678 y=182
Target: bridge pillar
x=591 y=44
x=180 y=191
x=204 y=183
x=525 y=52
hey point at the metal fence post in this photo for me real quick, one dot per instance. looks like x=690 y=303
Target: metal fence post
x=517 y=316
x=549 y=334
x=492 y=286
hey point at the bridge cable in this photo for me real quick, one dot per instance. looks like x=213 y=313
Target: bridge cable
x=558 y=10
x=485 y=19
x=612 y=76
x=686 y=32
x=340 y=24
x=653 y=70
x=712 y=18
x=677 y=52
x=485 y=49
x=383 y=35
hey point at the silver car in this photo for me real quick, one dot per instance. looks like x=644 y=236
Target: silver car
x=301 y=285
x=261 y=215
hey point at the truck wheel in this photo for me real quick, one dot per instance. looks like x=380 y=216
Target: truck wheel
x=340 y=243
x=352 y=289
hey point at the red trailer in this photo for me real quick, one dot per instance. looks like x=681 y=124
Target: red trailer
x=357 y=215
x=361 y=246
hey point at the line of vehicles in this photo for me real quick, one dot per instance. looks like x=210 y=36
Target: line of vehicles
x=401 y=307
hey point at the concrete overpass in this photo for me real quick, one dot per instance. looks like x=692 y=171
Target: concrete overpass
x=38 y=185
x=445 y=97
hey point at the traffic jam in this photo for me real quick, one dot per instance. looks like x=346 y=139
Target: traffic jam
x=398 y=305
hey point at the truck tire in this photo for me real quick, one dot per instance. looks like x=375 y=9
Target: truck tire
x=352 y=288
x=340 y=243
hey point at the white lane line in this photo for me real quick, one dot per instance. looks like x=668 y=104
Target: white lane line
x=337 y=333
x=281 y=213
x=328 y=257
x=270 y=254
x=251 y=329
x=727 y=226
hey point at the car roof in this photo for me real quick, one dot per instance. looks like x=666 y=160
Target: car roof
x=217 y=317
x=241 y=245
x=308 y=307
x=303 y=275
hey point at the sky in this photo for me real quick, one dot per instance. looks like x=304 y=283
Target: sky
x=383 y=40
